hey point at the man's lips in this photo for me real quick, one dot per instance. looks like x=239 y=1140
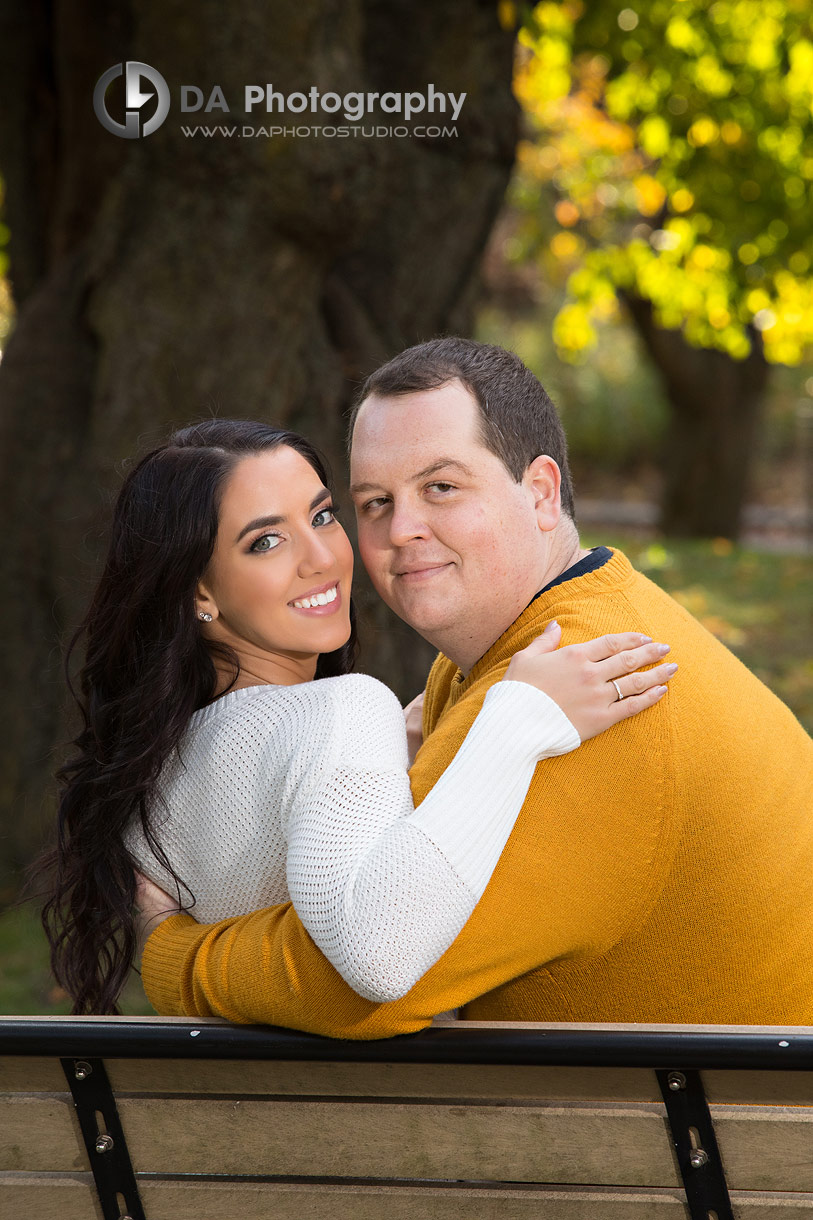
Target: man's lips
x=423 y=571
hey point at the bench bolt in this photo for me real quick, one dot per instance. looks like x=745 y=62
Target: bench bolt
x=698 y=1157
x=81 y=1070
x=104 y=1143
x=676 y=1081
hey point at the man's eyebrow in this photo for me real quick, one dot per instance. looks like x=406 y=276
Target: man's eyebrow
x=258 y=522
x=441 y=464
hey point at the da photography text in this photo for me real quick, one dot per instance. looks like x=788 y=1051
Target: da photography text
x=147 y=103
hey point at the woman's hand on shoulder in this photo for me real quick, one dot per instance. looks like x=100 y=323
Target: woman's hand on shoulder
x=598 y=683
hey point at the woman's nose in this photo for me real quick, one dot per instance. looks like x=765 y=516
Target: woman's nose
x=317 y=555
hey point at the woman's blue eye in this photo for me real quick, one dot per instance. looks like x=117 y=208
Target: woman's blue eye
x=328 y=516
x=268 y=542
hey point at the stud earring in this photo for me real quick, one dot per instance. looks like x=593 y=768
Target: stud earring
x=207 y=618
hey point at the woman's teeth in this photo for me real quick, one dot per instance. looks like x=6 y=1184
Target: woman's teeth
x=318 y=599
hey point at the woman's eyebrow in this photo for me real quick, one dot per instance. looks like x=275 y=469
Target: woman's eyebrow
x=258 y=522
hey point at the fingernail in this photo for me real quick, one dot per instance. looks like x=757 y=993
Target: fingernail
x=551 y=626
x=646 y=639
x=671 y=668
x=660 y=690
x=663 y=649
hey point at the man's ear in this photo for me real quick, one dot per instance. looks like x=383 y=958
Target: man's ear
x=543 y=480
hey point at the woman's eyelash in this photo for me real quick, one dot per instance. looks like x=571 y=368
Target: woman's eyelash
x=332 y=509
x=257 y=548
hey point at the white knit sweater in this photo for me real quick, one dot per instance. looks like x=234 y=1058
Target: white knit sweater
x=302 y=792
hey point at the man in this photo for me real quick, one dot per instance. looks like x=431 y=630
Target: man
x=663 y=872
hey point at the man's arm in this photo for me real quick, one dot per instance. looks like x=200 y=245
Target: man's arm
x=561 y=887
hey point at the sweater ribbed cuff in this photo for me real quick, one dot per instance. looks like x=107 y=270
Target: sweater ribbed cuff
x=164 y=959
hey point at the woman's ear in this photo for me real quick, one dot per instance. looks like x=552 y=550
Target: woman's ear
x=205 y=605
x=543 y=479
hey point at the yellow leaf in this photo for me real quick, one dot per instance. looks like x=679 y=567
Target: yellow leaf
x=650 y=195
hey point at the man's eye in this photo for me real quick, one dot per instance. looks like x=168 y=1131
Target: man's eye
x=370 y=506
x=268 y=542
x=441 y=487
x=325 y=516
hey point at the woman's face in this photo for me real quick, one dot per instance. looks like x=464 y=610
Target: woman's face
x=278 y=583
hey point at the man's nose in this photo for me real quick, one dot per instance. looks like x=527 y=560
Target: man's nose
x=407 y=523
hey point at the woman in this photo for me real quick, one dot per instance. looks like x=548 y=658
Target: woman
x=211 y=761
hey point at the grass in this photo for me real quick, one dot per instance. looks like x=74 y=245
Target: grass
x=26 y=985
x=759 y=604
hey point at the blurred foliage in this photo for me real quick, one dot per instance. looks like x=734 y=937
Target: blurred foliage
x=612 y=407
x=6 y=302
x=615 y=413
x=669 y=153
x=26 y=985
x=6 y=311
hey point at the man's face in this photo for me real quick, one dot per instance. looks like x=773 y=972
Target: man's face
x=452 y=544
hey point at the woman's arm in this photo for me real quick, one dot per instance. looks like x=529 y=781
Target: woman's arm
x=383 y=888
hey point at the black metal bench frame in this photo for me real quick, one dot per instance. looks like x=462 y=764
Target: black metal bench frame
x=676 y=1055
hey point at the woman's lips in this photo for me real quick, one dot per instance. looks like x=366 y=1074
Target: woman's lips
x=327 y=599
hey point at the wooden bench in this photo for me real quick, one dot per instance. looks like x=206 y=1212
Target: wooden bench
x=200 y=1120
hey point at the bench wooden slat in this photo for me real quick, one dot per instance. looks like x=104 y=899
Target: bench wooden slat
x=31 y=1074
x=296 y=1202
x=762 y=1148
x=381 y=1079
x=59 y=1197
x=62 y=1198
x=48 y=1197
x=602 y=1144
x=759 y=1088
x=40 y=1133
x=765 y=1148
x=187 y=1202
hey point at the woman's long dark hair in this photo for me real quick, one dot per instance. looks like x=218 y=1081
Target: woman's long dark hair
x=146 y=670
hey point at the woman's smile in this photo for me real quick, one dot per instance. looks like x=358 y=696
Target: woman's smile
x=327 y=599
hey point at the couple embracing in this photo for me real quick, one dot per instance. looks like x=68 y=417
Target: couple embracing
x=567 y=845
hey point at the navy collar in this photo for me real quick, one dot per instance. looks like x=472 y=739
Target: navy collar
x=596 y=559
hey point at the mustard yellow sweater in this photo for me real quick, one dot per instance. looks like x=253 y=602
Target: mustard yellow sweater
x=663 y=872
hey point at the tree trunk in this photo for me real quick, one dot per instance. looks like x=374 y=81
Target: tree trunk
x=716 y=408
x=166 y=278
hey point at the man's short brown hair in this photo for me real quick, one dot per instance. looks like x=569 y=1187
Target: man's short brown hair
x=518 y=421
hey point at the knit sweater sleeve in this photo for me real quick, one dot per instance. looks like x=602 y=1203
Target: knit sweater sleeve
x=384 y=888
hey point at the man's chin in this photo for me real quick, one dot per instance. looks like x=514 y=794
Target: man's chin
x=427 y=620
